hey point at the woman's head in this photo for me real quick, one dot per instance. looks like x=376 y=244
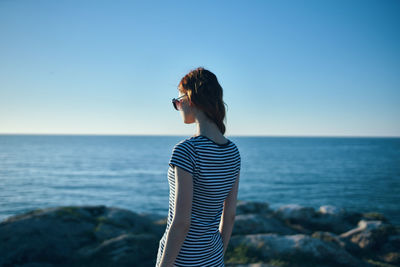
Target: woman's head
x=203 y=91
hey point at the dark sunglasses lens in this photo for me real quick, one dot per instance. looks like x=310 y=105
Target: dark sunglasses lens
x=174 y=103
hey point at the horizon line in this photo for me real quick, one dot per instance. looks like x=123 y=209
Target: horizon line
x=233 y=135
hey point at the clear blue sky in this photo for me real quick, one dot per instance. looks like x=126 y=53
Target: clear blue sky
x=327 y=68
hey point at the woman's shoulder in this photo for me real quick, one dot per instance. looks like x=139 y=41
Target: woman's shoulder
x=204 y=142
x=186 y=144
x=199 y=145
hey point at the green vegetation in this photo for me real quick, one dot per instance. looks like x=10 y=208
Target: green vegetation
x=241 y=254
x=379 y=263
x=278 y=262
x=68 y=210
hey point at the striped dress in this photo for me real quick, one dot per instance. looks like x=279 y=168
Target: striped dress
x=214 y=168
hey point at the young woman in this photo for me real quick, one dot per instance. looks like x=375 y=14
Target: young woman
x=203 y=177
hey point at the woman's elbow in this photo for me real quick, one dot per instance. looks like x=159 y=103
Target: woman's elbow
x=232 y=217
x=182 y=225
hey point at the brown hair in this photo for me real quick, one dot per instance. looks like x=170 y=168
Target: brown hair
x=205 y=93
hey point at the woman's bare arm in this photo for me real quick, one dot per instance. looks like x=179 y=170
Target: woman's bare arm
x=228 y=214
x=181 y=222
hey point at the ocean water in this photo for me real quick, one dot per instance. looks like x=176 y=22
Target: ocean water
x=38 y=171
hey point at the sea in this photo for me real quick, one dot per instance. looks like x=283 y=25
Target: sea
x=355 y=173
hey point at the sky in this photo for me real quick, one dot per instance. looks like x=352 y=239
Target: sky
x=287 y=68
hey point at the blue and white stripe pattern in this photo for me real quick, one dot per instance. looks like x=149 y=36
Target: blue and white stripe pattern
x=214 y=168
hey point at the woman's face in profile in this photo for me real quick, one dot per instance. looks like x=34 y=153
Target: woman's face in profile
x=186 y=109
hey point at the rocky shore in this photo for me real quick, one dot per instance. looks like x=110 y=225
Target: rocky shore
x=290 y=235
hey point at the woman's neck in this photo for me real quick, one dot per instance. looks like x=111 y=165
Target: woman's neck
x=206 y=127
x=210 y=129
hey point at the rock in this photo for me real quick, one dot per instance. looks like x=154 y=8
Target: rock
x=294 y=249
x=295 y=212
x=36 y=264
x=337 y=240
x=296 y=217
x=115 y=221
x=251 y=265
x=394 y=242
x=392 y=257
x=123 y=250
x=374 y=216
x=369 y=235
x=59 y=235
x=292 y=235
x=331 y=210
x=328 y=218
x=246 y=207
x=333 y=219
x=329 y=237
x=256 y=223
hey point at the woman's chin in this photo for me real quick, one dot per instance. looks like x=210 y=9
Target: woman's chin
x=188 y=121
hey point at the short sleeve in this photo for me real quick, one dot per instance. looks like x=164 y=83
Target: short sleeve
x=238 y=159
x=183 y=156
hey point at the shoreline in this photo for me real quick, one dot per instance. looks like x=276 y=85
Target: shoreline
x=291 y=235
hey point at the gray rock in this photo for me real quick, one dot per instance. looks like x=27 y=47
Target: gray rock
x=395 y=241
x=258 y=223
x=373 y=216
x=56 y=235
x=392 y=257
x=331 y=210
x=246 y=207
x=337 y=240
x=295 y=212
x=335 y=221
x=307 y=220
x=123 y=250
x=369 y=234
x=329 y=237
x=110 y=236
x=296 y=248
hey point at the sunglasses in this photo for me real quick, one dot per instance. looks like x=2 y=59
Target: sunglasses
x=176 y=102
